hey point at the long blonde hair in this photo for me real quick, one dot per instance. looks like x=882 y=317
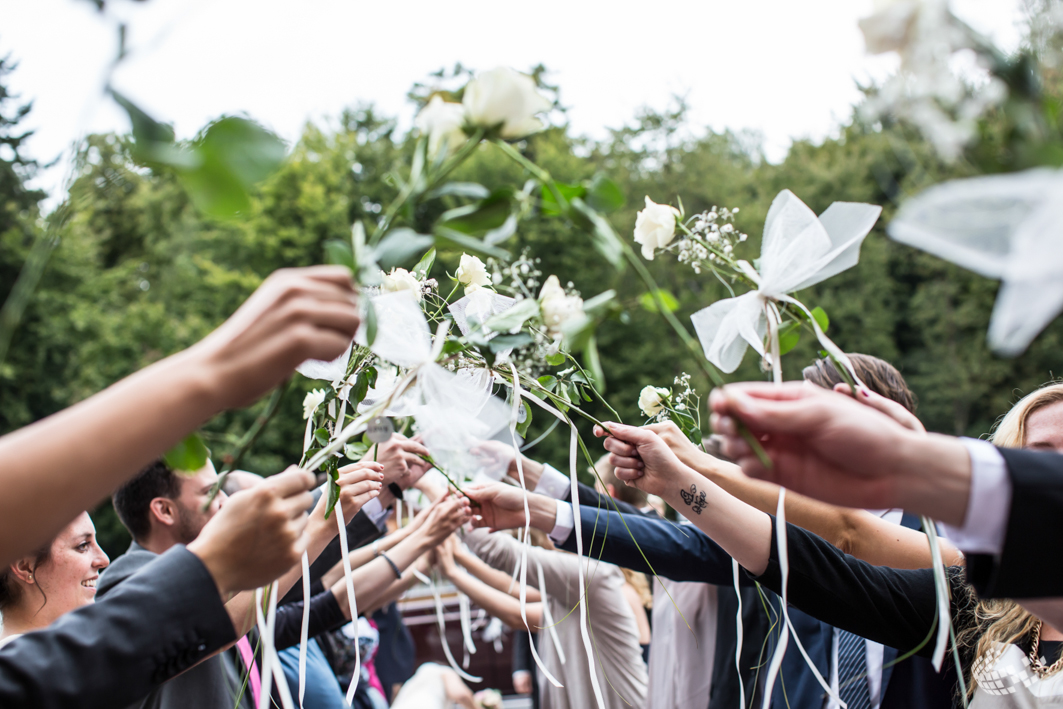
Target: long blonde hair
x=1003 y=621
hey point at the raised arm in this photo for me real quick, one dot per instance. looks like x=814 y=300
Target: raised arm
x=498 y=580
x=498 y=603
x=856 y=532
x=63 y=464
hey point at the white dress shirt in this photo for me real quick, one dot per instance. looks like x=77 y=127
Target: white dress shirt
x=989 y=504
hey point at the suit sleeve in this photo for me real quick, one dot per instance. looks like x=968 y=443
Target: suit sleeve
x=325 y=614
x=678 y=553
x=151 y=627
x=894 y=607
x=1026 y=567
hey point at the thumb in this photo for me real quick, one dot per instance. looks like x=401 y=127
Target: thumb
x=631 y=434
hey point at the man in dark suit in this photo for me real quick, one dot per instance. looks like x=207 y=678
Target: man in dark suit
x=998 y=505
x=166 y=619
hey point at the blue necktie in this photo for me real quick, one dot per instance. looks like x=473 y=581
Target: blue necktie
x=852 y=671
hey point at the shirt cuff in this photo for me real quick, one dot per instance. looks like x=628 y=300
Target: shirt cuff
x=989 y=504
x=552 y=483
x=376 y=512
x=563 y=523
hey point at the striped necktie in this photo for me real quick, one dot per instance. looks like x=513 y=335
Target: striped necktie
x=852 y=671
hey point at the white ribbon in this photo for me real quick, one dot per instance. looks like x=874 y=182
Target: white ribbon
x=352 y=602
x=443 y=628
x=271 y=664
x=739 y=637
x=1008 y=227
x=798 y=250
x=305 y=630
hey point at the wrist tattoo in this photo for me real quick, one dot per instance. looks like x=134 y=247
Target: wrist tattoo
x=696 y=500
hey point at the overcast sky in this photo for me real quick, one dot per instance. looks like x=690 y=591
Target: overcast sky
x=786 y=68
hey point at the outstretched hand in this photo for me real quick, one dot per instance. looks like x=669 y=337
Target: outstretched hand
x=502 y=507
x=640 y=457
x=827 y=445
x=445 y=517
x=359 y=483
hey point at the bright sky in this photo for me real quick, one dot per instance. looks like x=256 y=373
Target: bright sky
x=785 y=68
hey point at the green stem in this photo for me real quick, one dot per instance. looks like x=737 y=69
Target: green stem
x=540 y=174
x=249 y=439
x=428 y=459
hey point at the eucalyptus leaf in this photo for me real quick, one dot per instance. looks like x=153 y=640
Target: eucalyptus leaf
x=399 y=246
x=468 y=243
x=647 y=301
x=514 y=318
x=508 y=229
x=188 y=456
x=599 y=304
x=370 y=322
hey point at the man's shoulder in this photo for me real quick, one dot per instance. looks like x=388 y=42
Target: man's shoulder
x=133 y=560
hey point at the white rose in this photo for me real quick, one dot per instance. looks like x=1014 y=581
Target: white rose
x=400 y=279
x=441 y=122
x=655 y=227
x=472 y=273
x=313 y=399
x=557 y=306
x=503 y=96
x=651 y=400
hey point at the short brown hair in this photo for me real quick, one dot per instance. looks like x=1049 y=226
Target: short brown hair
x=879 y=375
x=622 y=491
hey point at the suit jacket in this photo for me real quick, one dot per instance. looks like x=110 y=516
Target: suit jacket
x=1026 y=567
x=689 y=555
x=117 y=650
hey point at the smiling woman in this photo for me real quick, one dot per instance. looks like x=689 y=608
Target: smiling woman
x=56 y=579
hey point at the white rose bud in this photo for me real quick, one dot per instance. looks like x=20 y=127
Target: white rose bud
x=507 y=98
x=651 y=400
x=557 y=306
x=655 y=227
x=313 y=399
x=400 y=279
x=472 y=273
x=442 y=122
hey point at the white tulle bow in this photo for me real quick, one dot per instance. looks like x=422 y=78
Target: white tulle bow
x=1008 y=227
x=798 y=250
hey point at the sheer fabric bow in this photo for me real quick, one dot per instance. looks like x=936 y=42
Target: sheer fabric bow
x=798 y=250
x=1008 y=227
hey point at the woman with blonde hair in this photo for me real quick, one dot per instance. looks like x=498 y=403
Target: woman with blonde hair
x=1010 y=654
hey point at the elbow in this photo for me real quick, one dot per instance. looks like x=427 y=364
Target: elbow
x=849 y=533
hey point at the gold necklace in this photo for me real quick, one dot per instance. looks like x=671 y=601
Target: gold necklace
x=1036 y=663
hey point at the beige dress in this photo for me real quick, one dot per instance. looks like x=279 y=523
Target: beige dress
x=681 y=658
x=614 y=633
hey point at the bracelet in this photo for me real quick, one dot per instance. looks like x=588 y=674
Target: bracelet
x=394 y=567
x=395 y=490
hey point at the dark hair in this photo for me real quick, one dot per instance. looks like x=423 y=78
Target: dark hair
x=10 y=593
x=879 y=375
x=132 y=501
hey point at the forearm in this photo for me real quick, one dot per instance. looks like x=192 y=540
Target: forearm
x=497 y=603
x=883 y=543
x=67 y=462
x=741 y=530
x=498 y=580
x=934 y=478
x=392 y=592
x=371 y=580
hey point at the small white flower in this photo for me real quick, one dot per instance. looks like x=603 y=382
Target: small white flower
x=651 y=399
x=442 y=122
x=472 y=273
x=507 y=98
x=655 y=227
x=313 y=399
x=399 y=280
x=557 y=306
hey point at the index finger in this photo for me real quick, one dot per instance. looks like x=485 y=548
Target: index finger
x=720 y=397
x=336 y=275
x=291 y=482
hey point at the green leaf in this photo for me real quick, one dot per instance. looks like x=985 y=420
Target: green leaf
x=234 y=154
x=359 y=390
x=370 y=322
x=593 y=364
x=339 y=253
x=550 y=206
x=472 y=190
x=453 y=346
x=514 y=318
x=548 y=382
x=481 y=217
x=505 y=342
x=399 y=246
x=356 y=450
x=188 y=456
x=647 y=301
x=604 y=195
x=424 y=266
x=333 y=496
x=604 y=238
x=789 y=336
x=468 y=243
x=599 y=304
x=508 y=229
x=821 y=318
x=522 y=428
x=577 y=332
x=321 y=436
x=556 y=359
